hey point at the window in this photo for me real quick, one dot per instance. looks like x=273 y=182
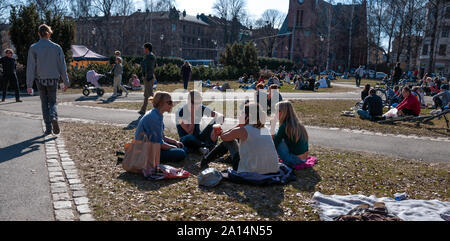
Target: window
x=301 y=18
x=447 y=12
x=425 y=49
x=442 y=50
x=445 y=32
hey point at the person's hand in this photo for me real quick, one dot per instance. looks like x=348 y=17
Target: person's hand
x=179 y=144
x=64 y=88
x=30 y=91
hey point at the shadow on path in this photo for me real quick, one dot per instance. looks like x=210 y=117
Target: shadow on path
x=22 y=148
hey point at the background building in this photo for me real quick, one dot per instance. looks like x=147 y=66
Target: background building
x=321 y=31
x=172 y=34
x=441 y=53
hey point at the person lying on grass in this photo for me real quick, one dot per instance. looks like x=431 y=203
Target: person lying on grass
x=291 y=138
x=152 y=125
x=255 y=152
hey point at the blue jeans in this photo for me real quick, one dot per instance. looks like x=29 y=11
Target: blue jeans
x=288 y=158
x=173 y=155
x=197 y=139
x=48 y=103
x=364 y=114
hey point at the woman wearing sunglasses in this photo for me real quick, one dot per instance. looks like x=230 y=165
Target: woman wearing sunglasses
x=152 y=125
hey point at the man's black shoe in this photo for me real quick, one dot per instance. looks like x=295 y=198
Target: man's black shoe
x=55 y=127
x=19 y=101
x=48 y=132
x=141 y=112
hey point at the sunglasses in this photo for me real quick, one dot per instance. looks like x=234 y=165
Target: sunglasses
x=169 y=102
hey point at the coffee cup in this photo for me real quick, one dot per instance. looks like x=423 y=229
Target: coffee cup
x=217 y=129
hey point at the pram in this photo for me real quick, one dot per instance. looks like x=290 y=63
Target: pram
x=92 y=78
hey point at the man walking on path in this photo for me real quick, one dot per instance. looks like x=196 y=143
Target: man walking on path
x=9 y=74
x=148 y=70
x=359 y=73
x=186 y=72
x=46 y=64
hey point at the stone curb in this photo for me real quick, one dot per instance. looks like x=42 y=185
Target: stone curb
x=68 y=194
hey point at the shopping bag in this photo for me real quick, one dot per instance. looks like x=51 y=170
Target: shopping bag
x=141 y=155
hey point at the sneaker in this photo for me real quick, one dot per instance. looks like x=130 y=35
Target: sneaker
x=126 y=94
x=55 y=125
x=48 y=132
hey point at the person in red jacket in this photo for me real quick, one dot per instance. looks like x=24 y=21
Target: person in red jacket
x=410 y=104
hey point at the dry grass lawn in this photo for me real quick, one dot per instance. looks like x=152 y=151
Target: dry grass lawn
x=118 y=195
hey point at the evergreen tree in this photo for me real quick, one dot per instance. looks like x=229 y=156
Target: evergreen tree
x=24 y=25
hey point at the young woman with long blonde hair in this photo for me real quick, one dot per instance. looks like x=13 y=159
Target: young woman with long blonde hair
x=291 y=139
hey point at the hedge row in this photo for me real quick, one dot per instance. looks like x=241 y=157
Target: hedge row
x=275 y=64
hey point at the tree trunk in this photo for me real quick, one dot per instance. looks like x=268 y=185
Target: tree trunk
x=350 y=38
x=435 y=7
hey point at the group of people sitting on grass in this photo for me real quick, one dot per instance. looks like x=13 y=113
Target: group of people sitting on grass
x=289 y=143
x=408 y=101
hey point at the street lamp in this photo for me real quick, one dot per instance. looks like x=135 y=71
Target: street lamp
x=162 y=38
x=198 y=55
x=215 y=47
x=321 y=48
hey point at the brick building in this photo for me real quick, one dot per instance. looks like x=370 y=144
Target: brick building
x=310 y=20
x=441 y=52
x=172 y=33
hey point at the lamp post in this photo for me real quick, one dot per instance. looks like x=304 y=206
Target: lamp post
x=198 y=55
x=321 y=48
x=162 y=38
x=217 y=51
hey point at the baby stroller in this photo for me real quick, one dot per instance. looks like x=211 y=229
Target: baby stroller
x=92 y=84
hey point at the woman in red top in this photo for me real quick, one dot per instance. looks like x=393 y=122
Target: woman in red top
x=410 y=104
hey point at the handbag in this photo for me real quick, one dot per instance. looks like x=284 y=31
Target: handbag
x=141 y=155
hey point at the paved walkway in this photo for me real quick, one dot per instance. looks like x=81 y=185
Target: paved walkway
x=427 y=149
x=24 y=189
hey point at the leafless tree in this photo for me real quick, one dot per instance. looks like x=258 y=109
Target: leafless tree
x=230 y=10
x=268 y=24
x=436 y=14
x=105 y=7
x=164 y=5
x=81 y=8
x=56 y=6
x=124 y=7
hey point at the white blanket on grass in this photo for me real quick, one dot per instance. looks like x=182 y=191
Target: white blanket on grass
x=331 y=206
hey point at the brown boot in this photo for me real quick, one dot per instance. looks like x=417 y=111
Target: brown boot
x=55 y=127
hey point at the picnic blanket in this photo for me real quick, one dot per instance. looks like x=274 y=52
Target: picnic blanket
x=284 y=176
x=331 y=206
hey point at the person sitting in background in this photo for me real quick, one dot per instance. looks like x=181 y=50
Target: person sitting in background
x=410 y=104
x=417 y=90
x=252 y=135
x=152 y=125
x=442 y=100
x=291 y=139
x=372 y=106
x=134 y=83
x=261 y=80
x=365 y=92
x=322 y=83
